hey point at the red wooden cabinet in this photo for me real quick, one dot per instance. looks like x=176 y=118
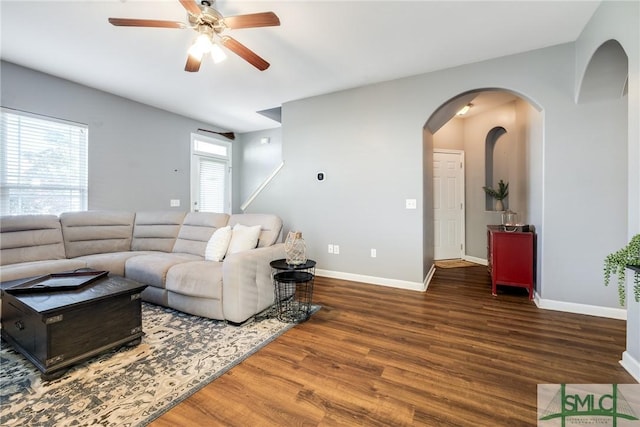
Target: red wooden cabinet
x=511 y=258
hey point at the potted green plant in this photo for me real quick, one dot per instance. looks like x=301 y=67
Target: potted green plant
x=500 y=194
x=619 y=261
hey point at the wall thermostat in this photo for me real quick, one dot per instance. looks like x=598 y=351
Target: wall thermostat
x=320 y=176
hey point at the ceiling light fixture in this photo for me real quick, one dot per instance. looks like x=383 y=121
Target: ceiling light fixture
x=204 y=44
x=217 y=54
x=464 y=110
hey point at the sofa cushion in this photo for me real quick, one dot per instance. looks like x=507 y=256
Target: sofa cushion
x=38 y=268
x=152 y=269
x=199 y=306
x=218 y=244
x=271 y=226
x=28 y=238
x=197 y=228
x=197 y=279
x=96 y=232
x=243 y=238
x=156 y=231
x=113 y=262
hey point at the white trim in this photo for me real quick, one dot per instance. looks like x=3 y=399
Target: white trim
x=372 y=280
x=545 y=304
x=631 y=365
x=475 y=260
x=430 y=274
x=258 y=190
x=572 y=307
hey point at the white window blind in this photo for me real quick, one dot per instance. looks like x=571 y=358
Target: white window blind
x=212 y=184
x=44 y=164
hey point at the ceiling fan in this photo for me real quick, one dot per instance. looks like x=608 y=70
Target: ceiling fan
x=210 y=26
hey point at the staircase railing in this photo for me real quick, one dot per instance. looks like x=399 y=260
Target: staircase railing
x=262 y=186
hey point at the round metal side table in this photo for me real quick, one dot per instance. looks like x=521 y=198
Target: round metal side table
x=293 y=290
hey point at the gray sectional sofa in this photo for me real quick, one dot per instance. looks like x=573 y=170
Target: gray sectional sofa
x=165 y=250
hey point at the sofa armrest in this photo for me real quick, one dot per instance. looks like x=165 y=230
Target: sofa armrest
x=247 y=284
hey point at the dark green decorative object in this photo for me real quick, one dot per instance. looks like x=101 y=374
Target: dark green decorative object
x=618 y=262
x=500 y=193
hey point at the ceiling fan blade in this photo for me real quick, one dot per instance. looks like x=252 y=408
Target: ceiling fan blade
x=193 y=64
x=245 y=53
x=191 y=6
x=228 y=135
x=264 y=19
x=125 y=22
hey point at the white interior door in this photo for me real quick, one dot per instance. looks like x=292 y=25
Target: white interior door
x=448 y=203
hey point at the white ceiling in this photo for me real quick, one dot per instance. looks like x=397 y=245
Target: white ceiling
x=321 y=47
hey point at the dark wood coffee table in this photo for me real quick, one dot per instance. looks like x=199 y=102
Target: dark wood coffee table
x=58 y=328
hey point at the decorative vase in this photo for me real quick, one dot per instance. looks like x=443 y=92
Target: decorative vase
x=295 y=248
x=499 y=206
x=509 y=218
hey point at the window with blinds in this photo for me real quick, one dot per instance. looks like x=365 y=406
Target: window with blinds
x=211 y=174
x=212 y=184
x=44 y=164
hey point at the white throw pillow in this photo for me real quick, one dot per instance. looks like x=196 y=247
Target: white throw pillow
x=218 y=244
x=243 y=238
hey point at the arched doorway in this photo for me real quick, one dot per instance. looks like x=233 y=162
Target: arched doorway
x=501 y=138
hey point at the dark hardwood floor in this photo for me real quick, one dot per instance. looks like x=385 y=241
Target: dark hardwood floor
x=377 y=356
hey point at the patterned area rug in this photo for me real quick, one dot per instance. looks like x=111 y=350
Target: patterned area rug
x=454 y=263
x=178 y=355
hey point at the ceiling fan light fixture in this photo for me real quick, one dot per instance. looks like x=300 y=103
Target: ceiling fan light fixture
x=217 y=54
x=209 y=24
x=200 y=46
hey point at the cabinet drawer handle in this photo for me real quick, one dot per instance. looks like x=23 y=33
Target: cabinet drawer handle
x=19 y=325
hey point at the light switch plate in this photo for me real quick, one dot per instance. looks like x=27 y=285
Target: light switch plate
x=411 y=204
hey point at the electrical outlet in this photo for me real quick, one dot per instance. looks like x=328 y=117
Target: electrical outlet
x=411 y=204
x=330 y=249
x=174 y=203
x=336 y=249
x=373 y=253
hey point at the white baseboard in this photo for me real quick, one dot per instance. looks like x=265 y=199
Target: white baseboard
x=569 y=307
x=475 y=260
x=382 y=281
x=430 y=274
x=572 y=307
x=631 y=365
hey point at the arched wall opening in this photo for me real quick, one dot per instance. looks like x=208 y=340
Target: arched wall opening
x=606 y=75
x=495 y=164
x=504 y=127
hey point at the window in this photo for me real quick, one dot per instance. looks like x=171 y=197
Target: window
x=44 y=164
x=210 y=174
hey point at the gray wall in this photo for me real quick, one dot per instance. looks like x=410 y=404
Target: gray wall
x=370 y=171
x=138 y=155
x=618 y=21
x=254 y=162
x=369 y=141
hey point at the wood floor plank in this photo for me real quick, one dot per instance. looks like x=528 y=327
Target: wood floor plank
x=376 y=356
